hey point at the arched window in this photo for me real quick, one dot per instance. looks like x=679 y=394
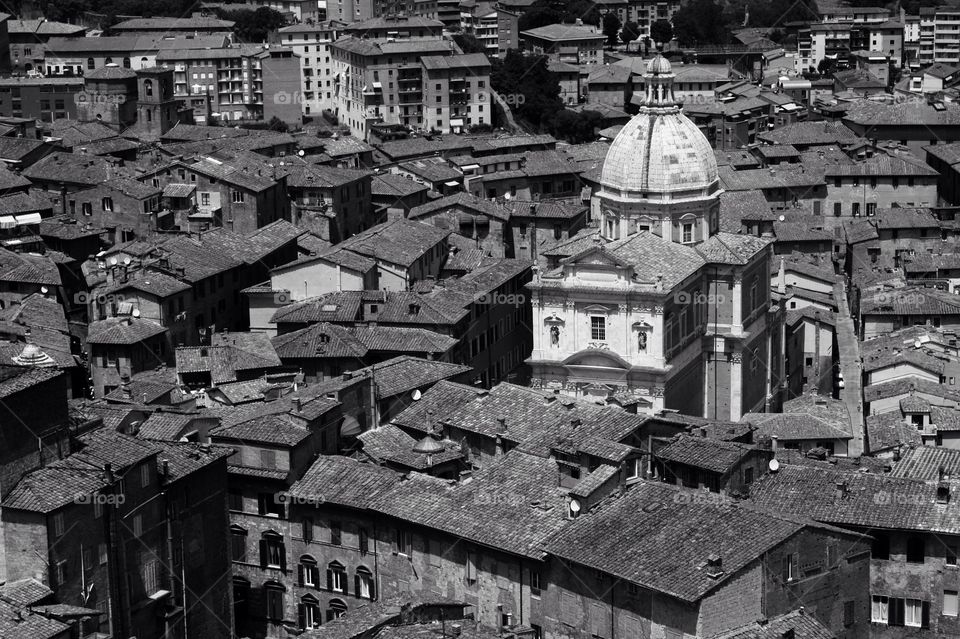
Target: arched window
x=91 y=64
x=238 y=543
x=363 y=585
x=272 y=552
x=336 y=577
x=308 y=573
x=273 y=597
x=108 y=61
x=336 y=609
x=126 y=63
x=144 y=62
x=148 y=88
x=149 y=115
x=308 y=613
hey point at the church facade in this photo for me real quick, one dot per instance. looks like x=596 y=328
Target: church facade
x=664 y=311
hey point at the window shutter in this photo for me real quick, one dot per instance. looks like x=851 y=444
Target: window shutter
x=329 y=580
x=264 y=559
x=396 y=541
x=373 y=589
x=795 y=557
x=896 y=612
x=316 y=577
x=363 y=541
x=301 y=616
x=283 y=557
x=300 y=569
x=925 y=619
x=356 y=585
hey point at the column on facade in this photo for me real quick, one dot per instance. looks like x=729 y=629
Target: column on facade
x=736 y=386
x=736 y=307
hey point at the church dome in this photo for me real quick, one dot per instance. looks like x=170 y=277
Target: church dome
x=660 y=153
x=659 y=65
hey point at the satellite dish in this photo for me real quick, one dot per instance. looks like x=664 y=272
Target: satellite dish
x=507 y=196
x=774 y=465
x=416 y=395
x=783 y=217
x=136 y=312
x=127 y=261
x=301 y=153
x=574 y=506
x=113 y=261
x=44 y=290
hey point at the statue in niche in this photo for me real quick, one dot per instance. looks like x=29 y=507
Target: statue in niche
x=642 y=341
x=555 y=336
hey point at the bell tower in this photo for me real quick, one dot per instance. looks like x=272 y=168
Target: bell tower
x=156 y=104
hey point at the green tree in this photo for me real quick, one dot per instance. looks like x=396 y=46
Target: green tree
x=630 y=32
x=661 y=32
x=576 y=127
x=253 y=26
x=700 y=22
x=469 y=43
x=611 y=28
x=276 y=124
x=526 y=84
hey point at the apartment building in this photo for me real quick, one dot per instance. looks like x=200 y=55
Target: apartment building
x=382 y=82
x=939 y=34
x=836 y=41
x=245 y=82
x=311 y=43
x=75 y=56
x=643 y=12
x=456 y=91
x=572 y=43
x=28 y=38
x=481 y=20
x=43 y=99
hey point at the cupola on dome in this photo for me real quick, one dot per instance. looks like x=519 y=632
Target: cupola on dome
x=660 y=154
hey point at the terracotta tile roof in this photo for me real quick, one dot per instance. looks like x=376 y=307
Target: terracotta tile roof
x=399 y=242
x=88 y=170
x=389 y=443
x=904 y=386
x=326 y=340
x=147 y=281
x=809 y=134
x=651 y=257
x=460 y=201
x=393 y=185
x=228 y=354
x=730 y=248
x=669 y=539
x=442 y=398
x=280 y=430
x=127 y=330
x=925 y=463
x=406 y=373
x=802 y=625
x=709 y=454
x=344 y=482
x=889 y=431
x=28 y=268
x=870 y=500
x=32 y=626
x=24 y=592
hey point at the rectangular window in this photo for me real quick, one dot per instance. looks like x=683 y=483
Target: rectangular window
x=880 y=609
x=913 y=613
x=237 y=197
x=102 y=551
x=789 y=571
x=837 y=209
x=364 y=541
x=137 y=525
x=471 y=567
x=144 y=476
x=307 y=529
x=238 y=545
x=58 y=525
x=403 y=542
x=268 y=459
x=107 y=203
x=951 y=552
x=687 y=233
x=598 y=328
x=534 y=583
x=949 y=603
x=849 y=612
x=336 y=533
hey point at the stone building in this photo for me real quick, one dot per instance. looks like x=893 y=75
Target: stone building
x=664 y=306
